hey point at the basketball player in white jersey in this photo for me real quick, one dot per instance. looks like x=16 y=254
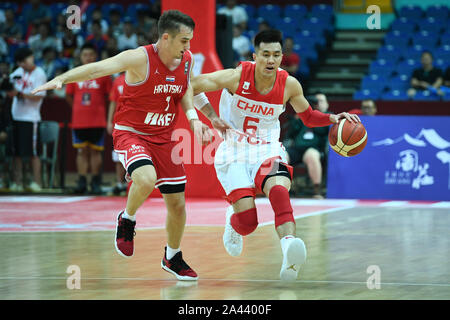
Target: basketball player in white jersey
x=251 y=159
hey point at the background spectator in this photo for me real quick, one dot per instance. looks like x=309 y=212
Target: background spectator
x=97 y=16
x=42 y=40
x=291 y=60
x=307 y=145
x=37 y=13
x=237 y=13
x=426 y=77
x=128 y=39
x=97 y=38
x=26 y=115
x=49 y=62
x=115 y=24
x=368 y=108
x=11 y=31
x=241 y=44
x=88 y=100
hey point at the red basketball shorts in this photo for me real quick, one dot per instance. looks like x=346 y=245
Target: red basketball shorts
x=132 y=147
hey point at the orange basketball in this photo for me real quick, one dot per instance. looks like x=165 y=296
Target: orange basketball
x=347 y=139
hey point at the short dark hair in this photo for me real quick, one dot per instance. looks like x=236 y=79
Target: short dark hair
x=88 y=45
x=171 y=21
x=268 y=36
x=22 y=53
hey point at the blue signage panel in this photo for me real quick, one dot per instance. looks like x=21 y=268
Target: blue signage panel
x=406 y=158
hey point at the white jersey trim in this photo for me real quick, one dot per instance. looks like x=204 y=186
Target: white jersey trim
x=131 y=129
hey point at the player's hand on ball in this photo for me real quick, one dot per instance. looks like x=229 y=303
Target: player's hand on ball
x=353 y=118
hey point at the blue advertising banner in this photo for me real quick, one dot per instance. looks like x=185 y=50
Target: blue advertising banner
x=406 y=158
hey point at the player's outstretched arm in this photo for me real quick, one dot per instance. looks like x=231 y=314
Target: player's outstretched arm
x=310 y=117
x=228 y=78
x=125 y=60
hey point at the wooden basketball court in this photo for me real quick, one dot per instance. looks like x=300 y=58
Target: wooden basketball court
x=350 y=243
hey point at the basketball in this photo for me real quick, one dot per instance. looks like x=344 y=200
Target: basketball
x=347 y=139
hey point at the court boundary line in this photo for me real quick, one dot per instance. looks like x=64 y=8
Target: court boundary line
x=229 y=280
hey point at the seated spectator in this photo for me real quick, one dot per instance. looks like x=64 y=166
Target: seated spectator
x=241 y=44
x=144 y=21
x=128 y=39
x=427 y=77
x=291 y=60
x=368 y=108
x=49 y=62
x=69 y=43
x=447 y=77
x=155 y=10
x=5 y=122
x=42 y=40
x=11 y=31
x=97 y=16
x=308 y=145
x=238 y=14
x=111 y=48
x=97 y=38
x=115 y=25
x=263 y=25
x=37 y=13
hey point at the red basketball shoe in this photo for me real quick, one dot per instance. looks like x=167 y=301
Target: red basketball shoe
x=178 y=267
x=125 y=233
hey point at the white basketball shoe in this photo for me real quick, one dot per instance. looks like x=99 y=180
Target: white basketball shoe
x=232 y=240
x=294 y=255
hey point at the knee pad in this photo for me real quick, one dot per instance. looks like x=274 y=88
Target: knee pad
x=244 y=222
x=281 y=205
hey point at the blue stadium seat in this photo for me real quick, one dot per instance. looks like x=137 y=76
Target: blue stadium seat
x=407 y=66
x=410 y=11
x=399 y=82
x=300 y=47
x=306 y=36
x=390 y=52
x=425 y=95
x=253 y=23
x=287 y=24
x=397 y=38
x=303 y=70
x=374 y=82
x=322 y=10
x=442 y=52
x=250 y=9
x=366 y=94
x=432 y=25
x=437 y=12
x=415 y=52
x=442 y=64
x=381 y=67
x=308 y=55
x=295 y=11
x=446 y=96
x=269 y=11
x=395 y=95
x=426 y=39
x=445 y=39
x=57 y=8
x=402 y=24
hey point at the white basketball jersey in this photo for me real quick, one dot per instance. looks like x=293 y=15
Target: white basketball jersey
x=255 y=117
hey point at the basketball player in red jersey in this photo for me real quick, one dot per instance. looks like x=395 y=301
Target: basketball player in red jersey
x=251 y=159
x=157 y=78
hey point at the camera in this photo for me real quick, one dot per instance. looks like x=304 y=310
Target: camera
x=6 y=84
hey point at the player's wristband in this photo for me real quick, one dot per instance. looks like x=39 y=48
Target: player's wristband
x=200 y=100
x=191 y=114
x=314 y=118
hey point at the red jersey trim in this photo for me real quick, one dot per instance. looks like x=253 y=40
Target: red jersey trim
x=146 y=76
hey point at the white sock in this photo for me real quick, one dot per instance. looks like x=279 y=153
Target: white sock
x=170 y=253
x=284 y=242
x=125 y=215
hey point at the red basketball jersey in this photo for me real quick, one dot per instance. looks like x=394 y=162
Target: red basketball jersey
x=151 y=106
